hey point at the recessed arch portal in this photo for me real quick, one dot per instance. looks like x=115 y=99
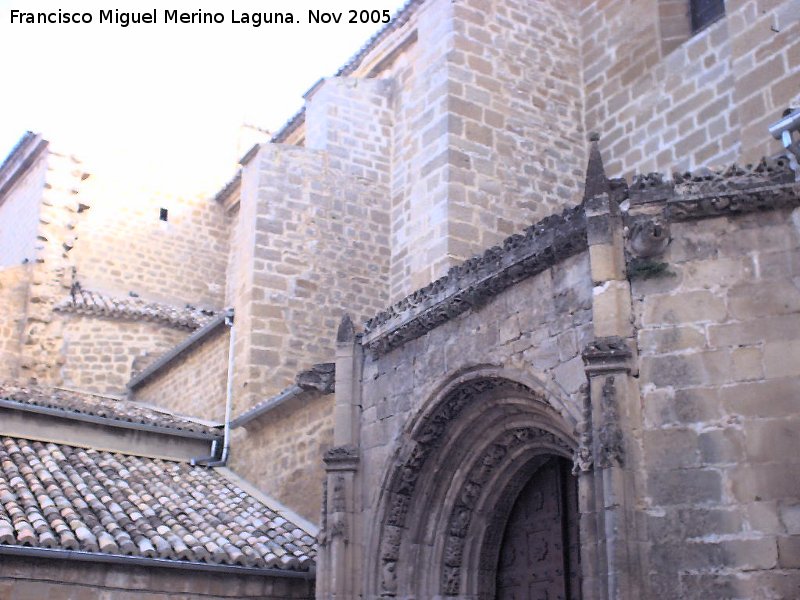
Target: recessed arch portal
x=447 y=492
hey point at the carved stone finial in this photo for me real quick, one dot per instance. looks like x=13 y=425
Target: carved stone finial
x=596 y=181
x=346 y=331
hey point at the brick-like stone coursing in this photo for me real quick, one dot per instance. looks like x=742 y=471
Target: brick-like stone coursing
x=195 y=383
x=719 y=338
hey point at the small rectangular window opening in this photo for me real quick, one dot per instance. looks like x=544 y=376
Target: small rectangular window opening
x=162 y=215
x=705 y=12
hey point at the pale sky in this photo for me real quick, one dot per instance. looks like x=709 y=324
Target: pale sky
x=161 y=105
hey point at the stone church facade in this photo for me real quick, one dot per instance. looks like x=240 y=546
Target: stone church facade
x=518 y=376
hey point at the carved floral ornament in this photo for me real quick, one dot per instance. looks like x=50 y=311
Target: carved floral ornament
x=477 y=280
x=426 y=438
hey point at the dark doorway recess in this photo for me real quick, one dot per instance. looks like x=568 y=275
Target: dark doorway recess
x=540 y=553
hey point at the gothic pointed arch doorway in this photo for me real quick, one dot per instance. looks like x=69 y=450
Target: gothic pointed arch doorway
x=451 y=495
x=539 y=555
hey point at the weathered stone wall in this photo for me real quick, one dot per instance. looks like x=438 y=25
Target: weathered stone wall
x=530 y=334
x=19 y=215
x=123 y=245
x=486 y=134
x=195 y=382
x=281 y=452
x=29 y=578
x=515 y=104
x=311 y=243
x=663 y=100
x=96 y=353
x=719 y=339
x=52 y=271
x=318 y=249
x=535 y=328
x=14 y=282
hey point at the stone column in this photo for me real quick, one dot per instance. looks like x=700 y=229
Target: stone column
x=607 y=456
x=339 y=552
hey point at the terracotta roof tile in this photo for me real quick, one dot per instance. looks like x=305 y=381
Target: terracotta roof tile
x=88 y=405
x=86 y=302
x=58 y=496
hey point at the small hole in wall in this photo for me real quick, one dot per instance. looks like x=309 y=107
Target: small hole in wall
x=163 y=214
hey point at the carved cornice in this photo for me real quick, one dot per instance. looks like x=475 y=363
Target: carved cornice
x=607 y=354
x=734 y=202
x=474 y=282
x=651 y=187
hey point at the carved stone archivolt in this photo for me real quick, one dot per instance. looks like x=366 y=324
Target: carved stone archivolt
x=482 y=471
x=424 y=440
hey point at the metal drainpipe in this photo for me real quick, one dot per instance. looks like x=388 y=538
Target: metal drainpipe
x=783 y=130
x=226 y=443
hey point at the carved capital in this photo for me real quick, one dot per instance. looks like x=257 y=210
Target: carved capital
x=607 y=354
x=341 y=458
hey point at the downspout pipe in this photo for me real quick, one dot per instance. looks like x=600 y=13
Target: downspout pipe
x=783 y=130
x=226 y=440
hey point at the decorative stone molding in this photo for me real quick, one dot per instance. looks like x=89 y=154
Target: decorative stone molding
x=320 y=377
x=477 y=280
x=734 y=202
x=338 y=520
x=583 y=458
x=650 y=188
x=610 y=448
x=341 y=458
x=480 y=473
x=428 y=435
x=607 y=354
x=647 y=236
x=708 y=182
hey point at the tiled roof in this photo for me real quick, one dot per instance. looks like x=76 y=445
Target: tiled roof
x=86 y=302
x=62 y=497
x=73 y=404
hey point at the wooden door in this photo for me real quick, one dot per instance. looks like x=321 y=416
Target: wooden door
x=539 y=554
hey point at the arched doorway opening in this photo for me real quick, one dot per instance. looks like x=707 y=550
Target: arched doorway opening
x=539 y=555
x=453 y=485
